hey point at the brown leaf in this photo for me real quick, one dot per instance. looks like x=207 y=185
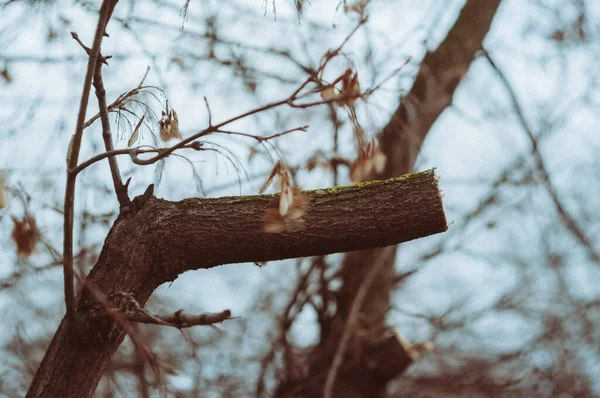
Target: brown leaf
x=329 y=93
x=6 y=75
x=3 y=200
x=379 y=160
x=25 y=235
x=275 y=171
x=369 y=162
x=275 y=222
x=136 y=132
x=252 y=153
x=286 y=199
x=350 y=88
x=558 y=36
x=312 y=162
x=357 y=6
x=179 y=62
x=169 y=124
x=300 y=204
x=165 y=133
x=175 y=125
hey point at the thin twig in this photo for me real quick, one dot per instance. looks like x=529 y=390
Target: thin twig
x=209 y=113
x=263 y=138
x=144 y=77
x=178 y=319
x=288 y=101
x=120 y=189
x=117 y=103
x=133 y=152
x=72 y=159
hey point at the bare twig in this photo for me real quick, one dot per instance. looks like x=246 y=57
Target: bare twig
x=120 y=189
x=72 y=159
x=117 y=103
x=209 y=113
x=133 y=152
x=178 y=319
x=263 y=138
x=88 y=50
x=288 y=101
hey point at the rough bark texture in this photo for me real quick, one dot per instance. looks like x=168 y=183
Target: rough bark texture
x=164 y=239
x=440 y=73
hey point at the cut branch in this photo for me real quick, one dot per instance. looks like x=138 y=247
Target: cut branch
x=164 y=239
x=231 y=230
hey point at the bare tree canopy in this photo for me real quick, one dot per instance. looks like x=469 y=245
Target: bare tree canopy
x=318 y=149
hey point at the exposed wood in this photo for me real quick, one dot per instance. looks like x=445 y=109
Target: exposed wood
x=164 y=239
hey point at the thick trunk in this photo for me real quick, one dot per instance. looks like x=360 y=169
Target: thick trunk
x=165 y=239
x=440 y=73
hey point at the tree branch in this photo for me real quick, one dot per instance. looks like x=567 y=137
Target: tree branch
x=72 y=159
x=120 y=188
x=164 y=239
x=178 y=319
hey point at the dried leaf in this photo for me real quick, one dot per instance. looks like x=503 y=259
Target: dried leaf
x=357 y=6
x=252 y=153
x=6 y=75
x=379 y=159
x=355 y=173
x=271 y=178
x=558 y=36
x=285 y=200
x=3 y=200
x=284 y=179
x=369 y=161
x=174 y=125
x=136 y=132
x=179 y=62
x=25 y=235
x=165 y=134
x=291 y=203
x=329 y=93
x=273 y=221
x=350 y=88
x=300 y=204
x=311 y=163
x=169 y=124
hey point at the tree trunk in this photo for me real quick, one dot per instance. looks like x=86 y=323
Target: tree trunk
x=164 y=239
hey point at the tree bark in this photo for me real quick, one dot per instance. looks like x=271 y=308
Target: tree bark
x=164 y=239
x=439 y=75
